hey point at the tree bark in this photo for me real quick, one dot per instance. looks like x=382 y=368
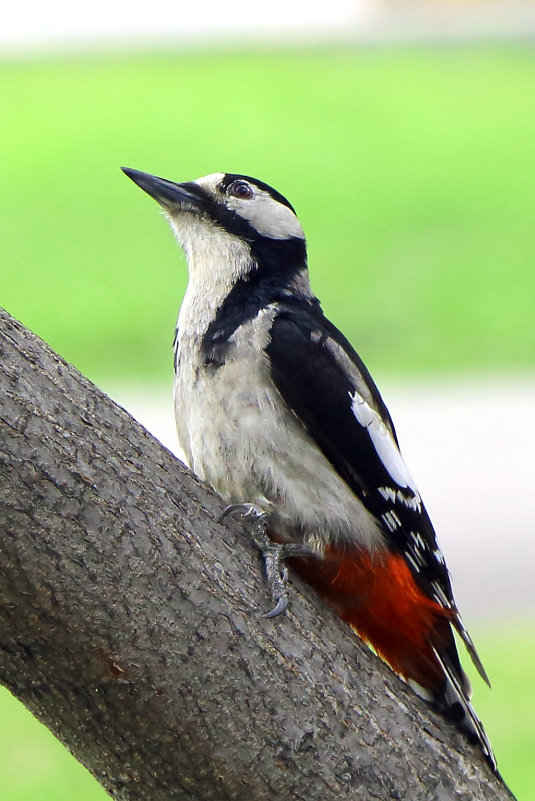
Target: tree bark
x=130 y=624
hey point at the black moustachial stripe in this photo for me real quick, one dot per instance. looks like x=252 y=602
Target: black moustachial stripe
x=275 y=265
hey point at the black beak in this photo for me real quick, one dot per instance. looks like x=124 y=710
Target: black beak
x=167 y=193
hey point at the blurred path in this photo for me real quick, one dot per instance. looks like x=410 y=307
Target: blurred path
x=471 y=449
x=61 y=25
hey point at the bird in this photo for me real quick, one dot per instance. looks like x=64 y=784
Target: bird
x=277 y=412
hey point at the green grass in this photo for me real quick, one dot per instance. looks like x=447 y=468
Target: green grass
x=508 y=709
x=33 y=765
x=412 y=170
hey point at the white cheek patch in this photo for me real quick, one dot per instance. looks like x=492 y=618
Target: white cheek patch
x=267 y=216
x=383 y=442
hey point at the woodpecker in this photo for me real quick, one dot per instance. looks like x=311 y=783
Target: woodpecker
x=277 y=412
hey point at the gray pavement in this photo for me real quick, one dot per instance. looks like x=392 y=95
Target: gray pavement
x=470 y=446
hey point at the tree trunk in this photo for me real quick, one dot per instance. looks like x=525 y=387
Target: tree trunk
x=130 y=624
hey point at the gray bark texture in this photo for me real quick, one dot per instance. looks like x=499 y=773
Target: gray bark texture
x=130 y=624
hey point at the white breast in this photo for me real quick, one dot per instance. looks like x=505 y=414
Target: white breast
x=240 y=438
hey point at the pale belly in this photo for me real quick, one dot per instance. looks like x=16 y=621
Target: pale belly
x=240 y=438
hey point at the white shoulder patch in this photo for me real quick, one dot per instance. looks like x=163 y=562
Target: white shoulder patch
x=383 y=442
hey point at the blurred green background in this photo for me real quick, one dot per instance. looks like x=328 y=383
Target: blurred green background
x=413 y=172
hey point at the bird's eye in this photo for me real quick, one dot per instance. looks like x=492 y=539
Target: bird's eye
x=240 y=189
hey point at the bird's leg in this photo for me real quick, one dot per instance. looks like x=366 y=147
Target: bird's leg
x=274 y=553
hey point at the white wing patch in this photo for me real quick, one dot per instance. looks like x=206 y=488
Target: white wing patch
x=412 y=501
x=391 y=520
x=383 y=442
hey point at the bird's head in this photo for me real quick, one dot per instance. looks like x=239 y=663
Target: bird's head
x=222 y=209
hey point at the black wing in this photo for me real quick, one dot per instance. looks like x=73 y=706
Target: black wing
x=325 y=383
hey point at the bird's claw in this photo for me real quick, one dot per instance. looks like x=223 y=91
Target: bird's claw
x=276 y=574
x=273 y=553
x=245 y=510
x=281 y=606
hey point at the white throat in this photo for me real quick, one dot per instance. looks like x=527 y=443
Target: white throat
x=216 y=260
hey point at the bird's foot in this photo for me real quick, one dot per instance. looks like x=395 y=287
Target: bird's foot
x=274 y=553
